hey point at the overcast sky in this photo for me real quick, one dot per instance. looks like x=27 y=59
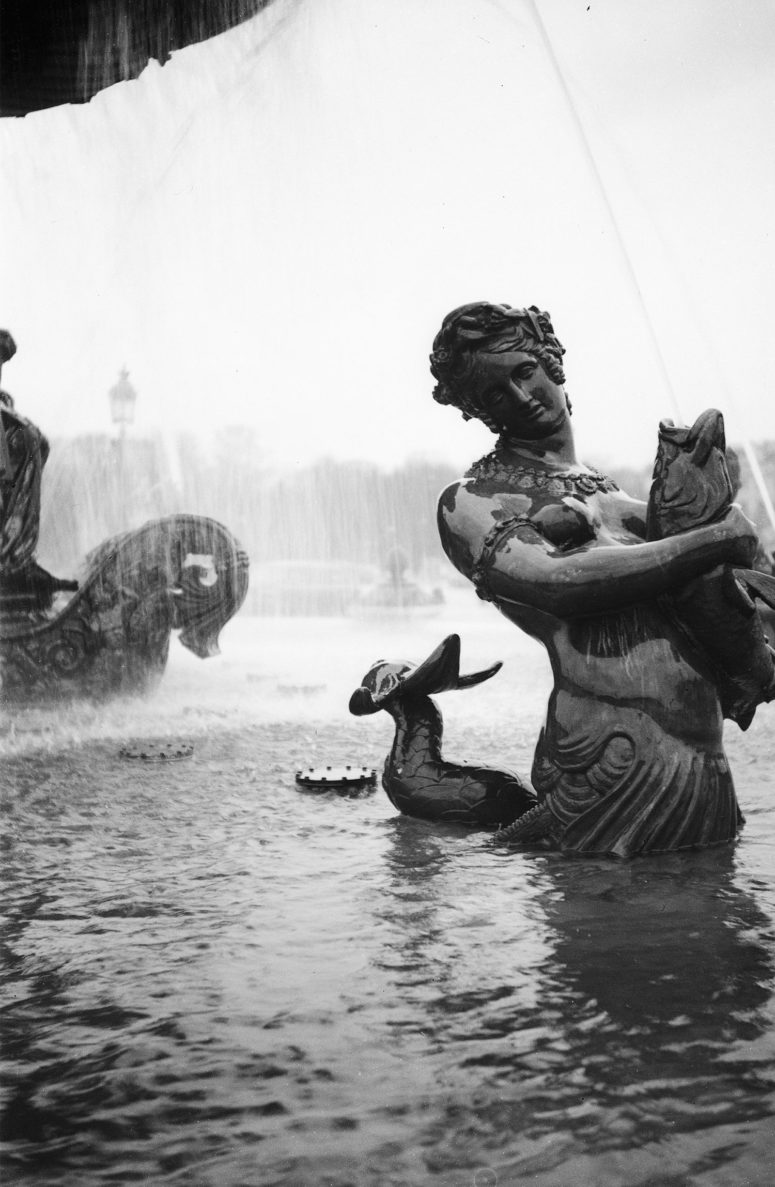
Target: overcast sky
x=269 y=229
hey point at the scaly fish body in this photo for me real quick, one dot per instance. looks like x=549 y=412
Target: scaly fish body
x=691 y=487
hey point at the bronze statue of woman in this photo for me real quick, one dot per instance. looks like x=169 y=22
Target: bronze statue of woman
x=24 y=584
x=630 y=759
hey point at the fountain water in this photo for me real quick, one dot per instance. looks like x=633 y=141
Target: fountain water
x=214 y=976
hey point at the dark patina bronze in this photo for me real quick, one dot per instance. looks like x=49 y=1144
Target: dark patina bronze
x=418 y=781
x=625 y=596
x=179 y=572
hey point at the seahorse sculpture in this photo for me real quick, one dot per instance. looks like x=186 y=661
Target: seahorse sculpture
x=691 y=487
x=180 y=572
x=418 y=781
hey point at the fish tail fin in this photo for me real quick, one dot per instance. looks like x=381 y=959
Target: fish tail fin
x=760 y=585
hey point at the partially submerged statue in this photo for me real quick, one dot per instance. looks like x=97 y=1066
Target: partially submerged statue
x=180 y=572
x=417 y=780
x=630 y=759
x=398 y=593
x=23 y=454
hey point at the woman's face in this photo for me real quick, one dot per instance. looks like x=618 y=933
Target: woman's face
x=517 y=394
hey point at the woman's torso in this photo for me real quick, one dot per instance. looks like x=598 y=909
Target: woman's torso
x=632 y=657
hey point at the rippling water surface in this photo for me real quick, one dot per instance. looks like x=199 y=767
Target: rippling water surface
x=211 y=977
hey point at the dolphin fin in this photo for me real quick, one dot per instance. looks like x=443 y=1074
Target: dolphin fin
x=440 y=672
x=478 y=677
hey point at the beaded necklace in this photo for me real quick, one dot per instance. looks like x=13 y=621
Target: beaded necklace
x=559 y=482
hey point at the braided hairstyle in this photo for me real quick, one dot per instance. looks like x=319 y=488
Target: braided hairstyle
x=496 y=329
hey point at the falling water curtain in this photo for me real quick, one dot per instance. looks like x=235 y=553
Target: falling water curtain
x=273 y=221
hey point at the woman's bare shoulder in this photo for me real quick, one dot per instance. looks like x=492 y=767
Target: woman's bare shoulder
x=464 y=505
x=465 y=515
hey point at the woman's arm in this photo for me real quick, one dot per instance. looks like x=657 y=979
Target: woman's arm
x=512 y=561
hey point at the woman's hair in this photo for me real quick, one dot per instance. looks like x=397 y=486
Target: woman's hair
x=7 y=346
x=494 y=328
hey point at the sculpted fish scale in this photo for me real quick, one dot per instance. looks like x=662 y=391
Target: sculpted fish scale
x=416 y=779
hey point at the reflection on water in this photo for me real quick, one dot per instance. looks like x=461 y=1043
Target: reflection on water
x=211 y=977
x=579 y=1007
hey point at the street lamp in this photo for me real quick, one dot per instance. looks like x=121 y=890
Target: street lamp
x=122 y=398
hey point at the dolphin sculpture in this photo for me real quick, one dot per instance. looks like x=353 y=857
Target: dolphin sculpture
x=183 y=573
x=418 y=781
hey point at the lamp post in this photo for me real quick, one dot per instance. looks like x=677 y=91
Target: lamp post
x=122 y=398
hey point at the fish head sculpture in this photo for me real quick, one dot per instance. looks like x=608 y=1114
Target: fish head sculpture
x=691 y=484
x=385 y=682
x=211 y=582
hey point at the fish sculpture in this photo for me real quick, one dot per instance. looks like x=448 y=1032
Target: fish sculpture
x=417 y=780
x=691 y=487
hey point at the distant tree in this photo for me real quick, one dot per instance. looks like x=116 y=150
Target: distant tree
x=326 y=511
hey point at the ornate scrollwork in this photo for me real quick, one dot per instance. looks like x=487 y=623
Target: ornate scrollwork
x=183 y=572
